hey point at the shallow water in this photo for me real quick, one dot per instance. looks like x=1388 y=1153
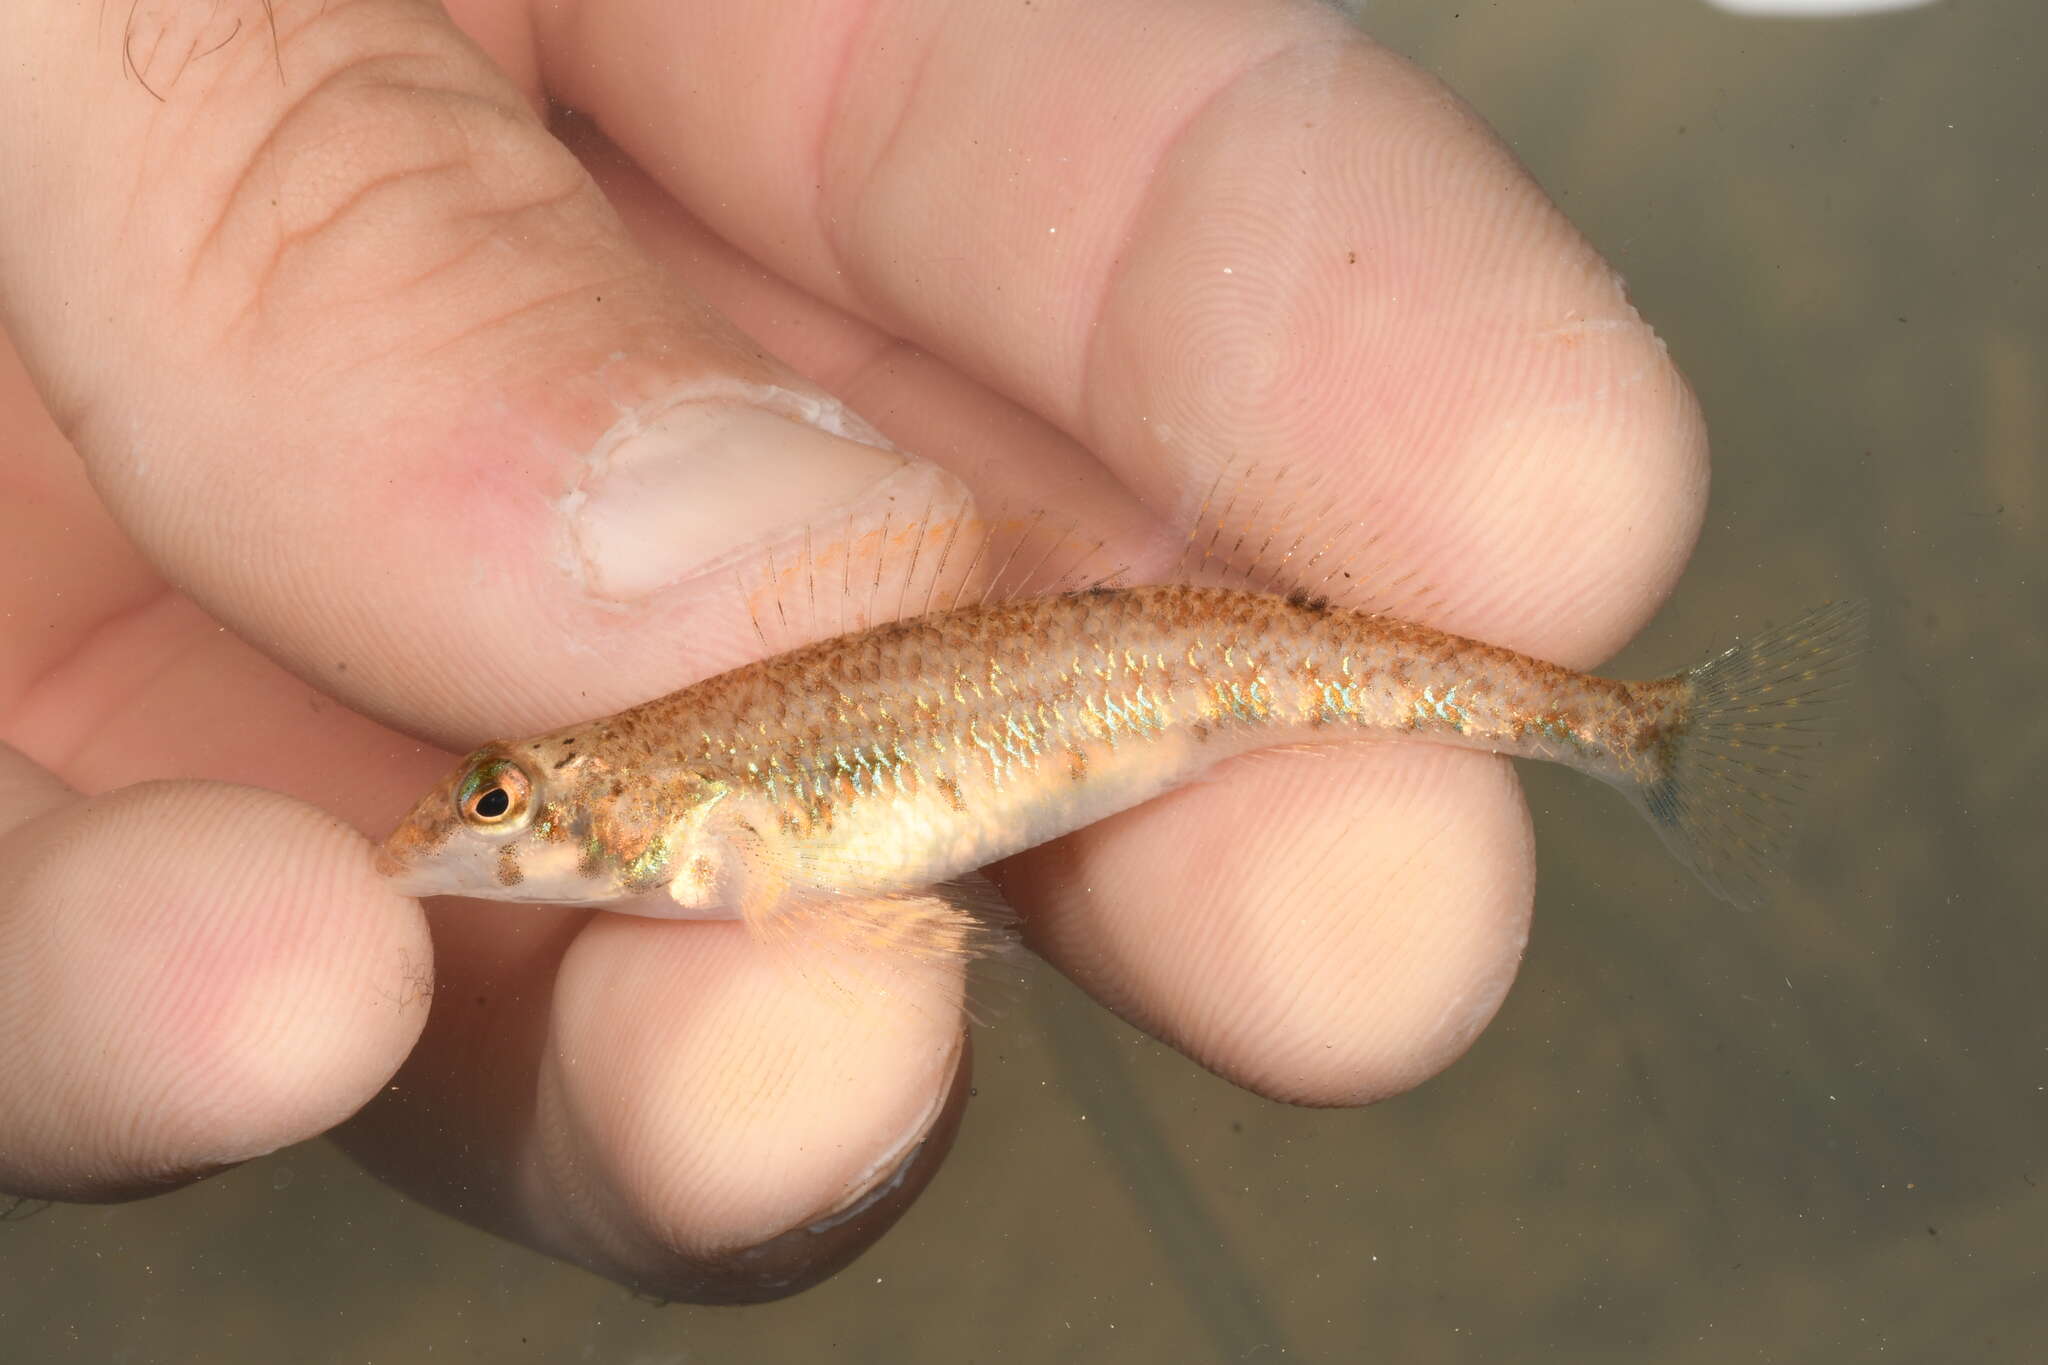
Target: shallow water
x=1694 y=1134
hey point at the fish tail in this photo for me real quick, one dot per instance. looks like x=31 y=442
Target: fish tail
x=1732 y=767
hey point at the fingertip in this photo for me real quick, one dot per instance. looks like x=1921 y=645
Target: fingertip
x=1580 y=505
x=198 y=973
x=722 y=1120
x=1323 y=928
x=1375 y=294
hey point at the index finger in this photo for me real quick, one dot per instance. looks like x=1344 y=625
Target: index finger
x=1195 y=236
x=342 y=351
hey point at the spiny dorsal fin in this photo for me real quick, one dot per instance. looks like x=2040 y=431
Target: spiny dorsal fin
x=904 y=563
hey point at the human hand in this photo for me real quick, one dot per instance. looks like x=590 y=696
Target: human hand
x=339 y=329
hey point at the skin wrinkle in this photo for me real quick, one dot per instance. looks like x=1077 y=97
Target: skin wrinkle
x=473 y=156
x=882 y=351
x=578 y=290
x=841 y=86
x=103 y=635
x=236 y=192
x=570 y=194
x=882 y=355
x=574 y=291
x=845 y=263
x=467 y=253
x=28 y=686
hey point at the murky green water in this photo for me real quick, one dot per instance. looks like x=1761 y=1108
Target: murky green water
x=1694 y=1134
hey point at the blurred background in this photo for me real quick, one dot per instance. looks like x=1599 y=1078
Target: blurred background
x=1695 y=1134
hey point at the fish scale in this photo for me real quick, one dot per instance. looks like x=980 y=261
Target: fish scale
x=903 y=756
x=1027 y=719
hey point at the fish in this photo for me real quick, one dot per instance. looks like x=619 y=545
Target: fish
x=863 y=778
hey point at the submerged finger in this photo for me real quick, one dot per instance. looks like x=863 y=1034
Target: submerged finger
x=742 y=1111
x=1323 y=927
x=674 y=1106
x=191 y=974
x=1280 y=247
x=374 y=373
x=1194 y=238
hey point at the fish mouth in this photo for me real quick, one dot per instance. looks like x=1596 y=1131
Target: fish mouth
x=404 y=878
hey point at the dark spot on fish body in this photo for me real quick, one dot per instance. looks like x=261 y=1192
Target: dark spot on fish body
x=1077 y=765
x=951 y=791
x=509 y=871
x=1305 y=600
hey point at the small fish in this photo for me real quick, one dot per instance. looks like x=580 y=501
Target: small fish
x=865 y=775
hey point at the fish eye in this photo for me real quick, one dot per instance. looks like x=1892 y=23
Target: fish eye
x=495 y=794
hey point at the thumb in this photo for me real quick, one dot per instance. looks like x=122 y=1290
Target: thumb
x=360 y=356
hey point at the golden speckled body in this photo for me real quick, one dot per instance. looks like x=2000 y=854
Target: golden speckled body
x=916 y=751
x=896 y=758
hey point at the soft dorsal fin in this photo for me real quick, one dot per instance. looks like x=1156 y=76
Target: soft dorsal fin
x=1265 y=528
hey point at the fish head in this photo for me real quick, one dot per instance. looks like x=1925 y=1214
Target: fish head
x=543 y=821
x=473 y=833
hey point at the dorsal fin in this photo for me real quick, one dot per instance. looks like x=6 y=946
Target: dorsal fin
x=1264 y=528
x=902 y=563
x=1257 y=527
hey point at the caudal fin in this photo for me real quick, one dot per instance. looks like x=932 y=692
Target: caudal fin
x=1738 y=763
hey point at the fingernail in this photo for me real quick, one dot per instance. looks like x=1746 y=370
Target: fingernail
x=895 y=1163
x=871 y=1196
x=665 y=495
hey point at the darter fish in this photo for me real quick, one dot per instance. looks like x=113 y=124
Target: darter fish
x=851 y=776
